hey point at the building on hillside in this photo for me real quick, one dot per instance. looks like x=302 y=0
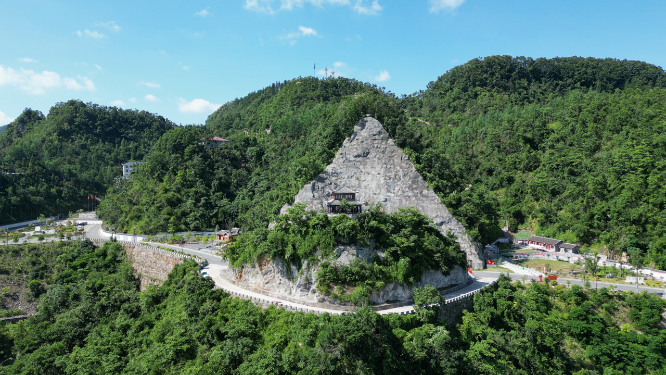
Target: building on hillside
x=338 y=199
x=569 y=248
x=129 y=167
x=214 y=142
x=548 y=244
x=228 y=235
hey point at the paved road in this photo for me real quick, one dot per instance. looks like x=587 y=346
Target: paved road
x=561 y=280
x=217 y=265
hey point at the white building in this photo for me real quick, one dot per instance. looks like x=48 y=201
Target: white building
x=129 y=166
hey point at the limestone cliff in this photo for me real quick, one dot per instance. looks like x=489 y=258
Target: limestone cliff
x=281 y=280
x=369 y=162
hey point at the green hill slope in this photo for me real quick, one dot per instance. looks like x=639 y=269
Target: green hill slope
x=576 y=155
x=186 y=186
x=569 y=147
x=51 y=163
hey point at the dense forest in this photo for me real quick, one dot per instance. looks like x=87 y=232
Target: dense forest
x=92 y=320
x=570 y=148
x=50 y=164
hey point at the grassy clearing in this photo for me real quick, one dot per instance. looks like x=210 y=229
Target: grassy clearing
x=522 y=234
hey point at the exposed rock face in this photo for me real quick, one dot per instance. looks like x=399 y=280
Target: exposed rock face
x=396 y=292
x=369 y=162
x=280 y=280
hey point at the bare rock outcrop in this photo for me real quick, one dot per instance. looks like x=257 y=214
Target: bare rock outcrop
x=369 y=162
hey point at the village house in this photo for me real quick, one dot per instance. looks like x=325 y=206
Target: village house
x=214 y=142
x=333 y=206
x=569 y=248
x=228 y=235
x=548 y=244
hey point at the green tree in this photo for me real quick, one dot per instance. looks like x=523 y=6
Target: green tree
x=427 y=303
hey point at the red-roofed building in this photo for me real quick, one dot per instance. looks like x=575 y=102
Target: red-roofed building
x=214 y=142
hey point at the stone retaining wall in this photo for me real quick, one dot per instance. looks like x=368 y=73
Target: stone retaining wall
x=14 y=319
x=151 y=265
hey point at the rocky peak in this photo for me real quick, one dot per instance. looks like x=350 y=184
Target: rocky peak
x=370 y=163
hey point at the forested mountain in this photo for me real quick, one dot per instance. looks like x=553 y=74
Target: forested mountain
x=50 y=164
x=571 y=148
x=577 y=154
x=281 y=137
x=2 y=128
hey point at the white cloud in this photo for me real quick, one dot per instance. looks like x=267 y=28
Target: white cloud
x=258 y=6
x=90 y=34
x=98 y=67
x=339 y=64
x=4 y=119
x=197 y=106
x=264 y=6
x=449 y=5
x=202 y=13
x=307 y=31
x=38 y=83
x=152 y=98
x=89 y=85
x=27 y=59
x=185 y=67
x=302 y=31
x=118 y=103
x=373 y=9
x=109 y=25
x=383 y=76
x=133 y=100
x=150 y=84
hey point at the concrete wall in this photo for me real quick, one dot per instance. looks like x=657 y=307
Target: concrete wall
x=450 y=312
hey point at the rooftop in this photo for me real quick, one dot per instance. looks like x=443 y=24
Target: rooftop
x=216 y=139
x=343 y=190
x=568 y=245
x=546 y=240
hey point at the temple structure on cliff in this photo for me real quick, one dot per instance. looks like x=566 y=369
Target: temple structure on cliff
x=343 y=200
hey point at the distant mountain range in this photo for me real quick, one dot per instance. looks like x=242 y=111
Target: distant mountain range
x=2 y=128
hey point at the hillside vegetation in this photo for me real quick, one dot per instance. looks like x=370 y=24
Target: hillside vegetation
x=92 y=319
x=571 y=148
x=50 y=164
x=408 y=242
x=293 y=131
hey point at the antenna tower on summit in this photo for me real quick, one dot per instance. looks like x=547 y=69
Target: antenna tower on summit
x=326 y=72
x=314 y=69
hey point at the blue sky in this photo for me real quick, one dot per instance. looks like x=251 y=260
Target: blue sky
x=183 y=59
